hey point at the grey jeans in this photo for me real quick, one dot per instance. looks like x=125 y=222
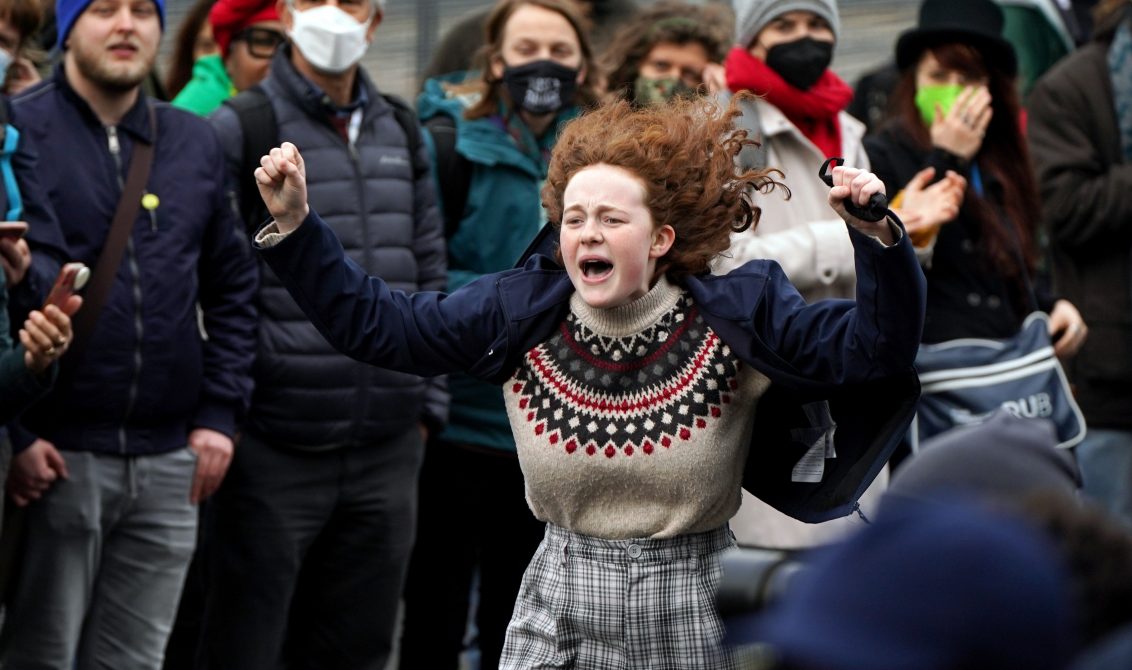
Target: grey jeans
x=105 y=562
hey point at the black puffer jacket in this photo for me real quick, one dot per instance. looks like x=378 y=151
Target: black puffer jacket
x=307 y=395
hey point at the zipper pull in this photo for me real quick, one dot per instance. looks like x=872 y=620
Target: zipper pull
x=112 y=141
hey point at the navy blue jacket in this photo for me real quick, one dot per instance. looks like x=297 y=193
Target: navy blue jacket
x=833 y=364
x=148 y=376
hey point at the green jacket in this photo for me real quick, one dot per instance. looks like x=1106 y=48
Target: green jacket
x=502 y=215
x=208 y=89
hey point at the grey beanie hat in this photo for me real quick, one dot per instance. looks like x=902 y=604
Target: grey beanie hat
x=751 y=16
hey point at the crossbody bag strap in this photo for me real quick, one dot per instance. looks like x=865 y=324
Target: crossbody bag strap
x=94 y=298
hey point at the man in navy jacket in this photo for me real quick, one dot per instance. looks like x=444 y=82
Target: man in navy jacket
x=116 y=457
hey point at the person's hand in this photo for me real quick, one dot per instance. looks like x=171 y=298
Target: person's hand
x=34 y=470
x=857 y=186
x=924 y=208
x=46 y=335
x=22 y=75
x=1067 y=329
x=962 y=129
x=214 y=454
x=715 y=78
x=282 y=181
x=15 y=257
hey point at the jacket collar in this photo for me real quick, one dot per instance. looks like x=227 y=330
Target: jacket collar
x=313 y=100
x=135 y=122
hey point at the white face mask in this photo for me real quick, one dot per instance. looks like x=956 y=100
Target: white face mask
x=330 y=39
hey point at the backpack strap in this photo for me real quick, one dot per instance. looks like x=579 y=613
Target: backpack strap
x=261 y=132
x=407 y=119
x=453 y=171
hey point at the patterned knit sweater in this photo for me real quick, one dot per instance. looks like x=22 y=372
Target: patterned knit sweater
x=633 y=421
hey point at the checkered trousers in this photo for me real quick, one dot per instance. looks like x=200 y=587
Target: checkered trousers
x=588 y=603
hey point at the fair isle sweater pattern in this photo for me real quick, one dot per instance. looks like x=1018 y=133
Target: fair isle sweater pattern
x=629 y=386
x=627 y=395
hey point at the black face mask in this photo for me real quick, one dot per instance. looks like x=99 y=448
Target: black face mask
x=801 y=62
x=541 y=87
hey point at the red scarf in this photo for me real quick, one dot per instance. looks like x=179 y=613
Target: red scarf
x=814 y=112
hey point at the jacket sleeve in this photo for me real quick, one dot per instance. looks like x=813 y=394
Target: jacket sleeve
x=44 y=236
x=228 y=282
x=423 y=333
x=431 y=254
x=227 y=126
x=835 y=342
x=1087 y=200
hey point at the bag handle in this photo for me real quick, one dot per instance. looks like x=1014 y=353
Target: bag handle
x=94 y=299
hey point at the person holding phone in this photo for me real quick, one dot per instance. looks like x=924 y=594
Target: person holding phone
x=142 y=426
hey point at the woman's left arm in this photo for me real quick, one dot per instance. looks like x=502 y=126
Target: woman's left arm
x=879 y=334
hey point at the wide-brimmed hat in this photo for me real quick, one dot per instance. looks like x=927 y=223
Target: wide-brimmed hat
x=974 y=22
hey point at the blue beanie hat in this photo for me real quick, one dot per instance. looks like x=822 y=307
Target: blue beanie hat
x=68 y=11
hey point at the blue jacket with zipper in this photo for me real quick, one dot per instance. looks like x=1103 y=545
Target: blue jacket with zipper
x=149 y=375
x=843 y=388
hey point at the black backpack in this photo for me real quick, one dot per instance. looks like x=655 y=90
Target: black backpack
x=261 y=133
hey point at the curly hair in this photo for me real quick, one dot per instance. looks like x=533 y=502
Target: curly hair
x=665 y=23
x=491 y=88
x=684 y=154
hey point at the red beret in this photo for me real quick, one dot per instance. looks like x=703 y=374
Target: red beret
x=229 y=17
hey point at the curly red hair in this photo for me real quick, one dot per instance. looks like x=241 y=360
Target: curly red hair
x=684 y=154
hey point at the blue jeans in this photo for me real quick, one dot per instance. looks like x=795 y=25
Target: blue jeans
x=1105 y=460
x=105 y=561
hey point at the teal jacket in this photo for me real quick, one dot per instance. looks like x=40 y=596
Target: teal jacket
x=502 y=215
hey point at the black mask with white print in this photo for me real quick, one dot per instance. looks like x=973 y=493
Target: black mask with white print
x=541 y=86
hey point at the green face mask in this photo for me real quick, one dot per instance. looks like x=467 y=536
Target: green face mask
x=944 y=95
x=659 y=91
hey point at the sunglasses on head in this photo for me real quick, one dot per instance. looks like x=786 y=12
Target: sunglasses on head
x=262 y=42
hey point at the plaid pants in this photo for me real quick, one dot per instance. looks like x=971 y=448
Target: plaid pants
x=611 y=604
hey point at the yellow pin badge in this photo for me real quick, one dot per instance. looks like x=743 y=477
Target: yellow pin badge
x=150 y=201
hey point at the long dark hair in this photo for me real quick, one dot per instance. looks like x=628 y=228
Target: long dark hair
x=1012 y=223
x=181 y=60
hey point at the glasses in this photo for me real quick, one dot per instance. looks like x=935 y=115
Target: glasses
x=262 y=42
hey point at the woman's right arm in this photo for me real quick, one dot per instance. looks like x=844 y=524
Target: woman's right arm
x=425 y=333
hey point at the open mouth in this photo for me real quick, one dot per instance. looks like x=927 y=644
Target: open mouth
x=596 y=269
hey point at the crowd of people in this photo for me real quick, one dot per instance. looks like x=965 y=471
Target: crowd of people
x=507 y=371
